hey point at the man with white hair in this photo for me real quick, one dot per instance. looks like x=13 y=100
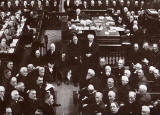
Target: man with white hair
x=100 y=69
x=91 y=52
x=146 y=51
x=131 y=107
x=143 y=97
x=2 y=99
x=156 y=78
x=119 y=71
x=97 y=106
x=124 y=89
x=92 y=79
x=135 y=57
x=52 y=54
x=30 y=68
x=16 y=103
x=107 y=74
x=23 y=75
x=155 y=55
x=112 y=97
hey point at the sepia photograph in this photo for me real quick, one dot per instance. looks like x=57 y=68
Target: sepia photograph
x=79 y=57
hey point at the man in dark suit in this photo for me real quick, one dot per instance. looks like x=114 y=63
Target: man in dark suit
x=91 y=52
x=16 y=103
x=53 y=72
x=9 y=6
x=2 y=6
x=155 y=55
x=32 y=6
x=68 y=4
x=92 y=5
x=74 y=58
x=131 y=107
x=17 y=6
x=52 y=54
x=37 y=59
x=76 y=5
x=3 y=100
x=100 y=5
x=49 y=105
x=78 y=15
x=97 y=106
x=119 y=71
x=31 y=103
x=25 y=6
x=40 y=87
x=85 y=5
x=114 y=109
x=55 y=5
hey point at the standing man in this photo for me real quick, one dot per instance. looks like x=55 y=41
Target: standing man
x=90 y=53
x=74 y=58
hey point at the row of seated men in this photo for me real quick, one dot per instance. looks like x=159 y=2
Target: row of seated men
x=104 y=4
x=38 y=5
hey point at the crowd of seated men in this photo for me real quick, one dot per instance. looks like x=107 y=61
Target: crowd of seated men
x=123 y=90
x=30 y=91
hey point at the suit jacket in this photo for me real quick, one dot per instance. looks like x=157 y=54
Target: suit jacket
x=96 y=108
x=31 y=106
x=94 y=51
x=2 y=106
x=53 y=57
x=52 y=75
x=48 y=109
x=74 y=51
x=37 y=61
x=17 y=107
x=131 y=108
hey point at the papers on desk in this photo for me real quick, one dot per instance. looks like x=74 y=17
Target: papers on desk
x=101 y=17
x=82 y=28
x=152 y=11
x=117 y=28
x=109 y=18
x=93 y=28
x=11 y=50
